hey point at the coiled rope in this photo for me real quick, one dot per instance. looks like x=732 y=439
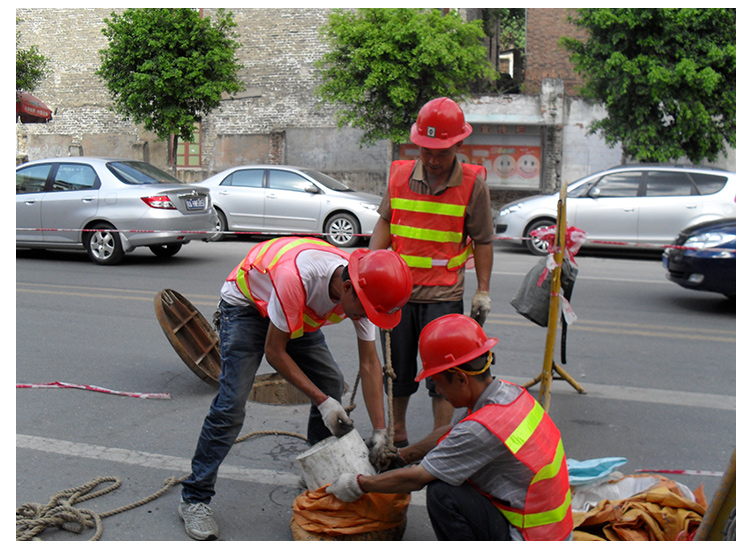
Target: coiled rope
x=61 y=512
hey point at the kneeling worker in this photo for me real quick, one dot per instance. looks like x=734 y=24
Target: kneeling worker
x=500 y=473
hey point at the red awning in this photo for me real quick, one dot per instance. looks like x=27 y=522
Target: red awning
x=31 y=109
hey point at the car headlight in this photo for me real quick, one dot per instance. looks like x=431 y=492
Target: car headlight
x=368 y=206
x=510 y=209
x=709 y=240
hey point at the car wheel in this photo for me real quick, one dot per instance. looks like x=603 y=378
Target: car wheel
x=166 y=250
x=342 y=229
x=103 y=245
x=221 y=226
x=537 y=246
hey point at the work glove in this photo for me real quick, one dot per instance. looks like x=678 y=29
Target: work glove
x=335 y=418
x=480 y=306
x=346 y=488
x=376 y=444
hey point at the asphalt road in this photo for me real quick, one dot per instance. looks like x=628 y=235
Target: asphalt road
x=658 y=363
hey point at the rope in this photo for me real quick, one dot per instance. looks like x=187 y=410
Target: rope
x=60 y=512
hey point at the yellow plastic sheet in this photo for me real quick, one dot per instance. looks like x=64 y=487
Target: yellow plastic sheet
x=659 y=514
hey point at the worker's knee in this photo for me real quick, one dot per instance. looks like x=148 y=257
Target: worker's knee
x=462 y=513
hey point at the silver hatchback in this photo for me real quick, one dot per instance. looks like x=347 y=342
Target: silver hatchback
x=108 y=207
x=275 y=199
x=626 y=206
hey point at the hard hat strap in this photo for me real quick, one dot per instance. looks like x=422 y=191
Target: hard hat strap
x=485 y=368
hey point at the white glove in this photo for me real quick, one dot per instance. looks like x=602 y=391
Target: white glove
x=377 y=444
x=346 y=488
x=480 y=306
x=335 y=418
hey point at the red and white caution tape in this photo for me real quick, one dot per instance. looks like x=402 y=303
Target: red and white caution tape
x=681 y=471
x=93 y=388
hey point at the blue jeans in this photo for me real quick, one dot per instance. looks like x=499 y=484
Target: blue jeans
x=243 y=336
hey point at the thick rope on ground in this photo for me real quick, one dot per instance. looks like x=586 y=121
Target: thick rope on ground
x=60 y=511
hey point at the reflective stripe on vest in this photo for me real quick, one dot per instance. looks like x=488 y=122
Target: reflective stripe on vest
x=281 y=253
x=546 y=514
x=427 y=230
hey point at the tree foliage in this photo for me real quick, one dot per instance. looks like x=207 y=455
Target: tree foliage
x=166 y=68
x=667 y=77
x=31 y=66
x=385 y=63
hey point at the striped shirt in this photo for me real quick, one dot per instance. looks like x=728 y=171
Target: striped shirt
x=472 y=451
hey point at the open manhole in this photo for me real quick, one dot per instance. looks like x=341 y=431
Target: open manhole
x=197 y=344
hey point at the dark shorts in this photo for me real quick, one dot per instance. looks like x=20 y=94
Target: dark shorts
x=405 y=343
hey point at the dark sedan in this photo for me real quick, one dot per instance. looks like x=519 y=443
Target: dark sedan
x=704 y=256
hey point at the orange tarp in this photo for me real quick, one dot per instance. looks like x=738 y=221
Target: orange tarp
x=323 y=513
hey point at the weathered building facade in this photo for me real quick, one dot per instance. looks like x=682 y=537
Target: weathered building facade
x=529 y=142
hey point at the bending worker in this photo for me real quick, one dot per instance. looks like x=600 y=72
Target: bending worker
x=274 y=302
x=501 y=472
x=436 y=210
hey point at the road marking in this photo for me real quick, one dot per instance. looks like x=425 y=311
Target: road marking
x=165 y=462
x=647 y=395
x=635 y=329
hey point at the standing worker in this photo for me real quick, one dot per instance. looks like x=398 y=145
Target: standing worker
x=274 y=302
x=436 y=210
x=500 y=473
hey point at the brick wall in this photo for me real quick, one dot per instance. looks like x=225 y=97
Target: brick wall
x=545 y=58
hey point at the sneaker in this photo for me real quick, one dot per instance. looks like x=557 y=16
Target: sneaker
x=199 y=521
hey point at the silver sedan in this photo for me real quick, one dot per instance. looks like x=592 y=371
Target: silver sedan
x=626 y=206
x=108 y=207
x=274 y=199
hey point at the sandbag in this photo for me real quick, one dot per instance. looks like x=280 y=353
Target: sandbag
x=323 y=513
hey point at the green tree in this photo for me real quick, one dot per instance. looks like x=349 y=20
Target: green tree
x=385 y=63
x=166 y=68
x=31 y=66
x=667 y=77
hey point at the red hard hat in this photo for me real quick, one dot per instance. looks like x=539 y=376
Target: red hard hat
x=449 y=341
x=382 y=281
x=440 y=124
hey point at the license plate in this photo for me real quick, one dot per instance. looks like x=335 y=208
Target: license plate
x=198 y=203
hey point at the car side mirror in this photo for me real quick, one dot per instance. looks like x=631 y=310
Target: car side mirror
x=312 y=189
x=594 y=192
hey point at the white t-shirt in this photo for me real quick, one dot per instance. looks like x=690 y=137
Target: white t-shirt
x=316 y=268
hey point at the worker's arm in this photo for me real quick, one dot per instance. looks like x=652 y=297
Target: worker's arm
x=350 y=487
x=397 y=481
x=381 y=235
x=483 y=257
x=415 y=452
x=334 y=415
x=371 y=373
x=481 y=303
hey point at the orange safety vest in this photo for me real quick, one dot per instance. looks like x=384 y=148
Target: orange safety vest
x=528 y=432
x=277 y=258
x=427 y=230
